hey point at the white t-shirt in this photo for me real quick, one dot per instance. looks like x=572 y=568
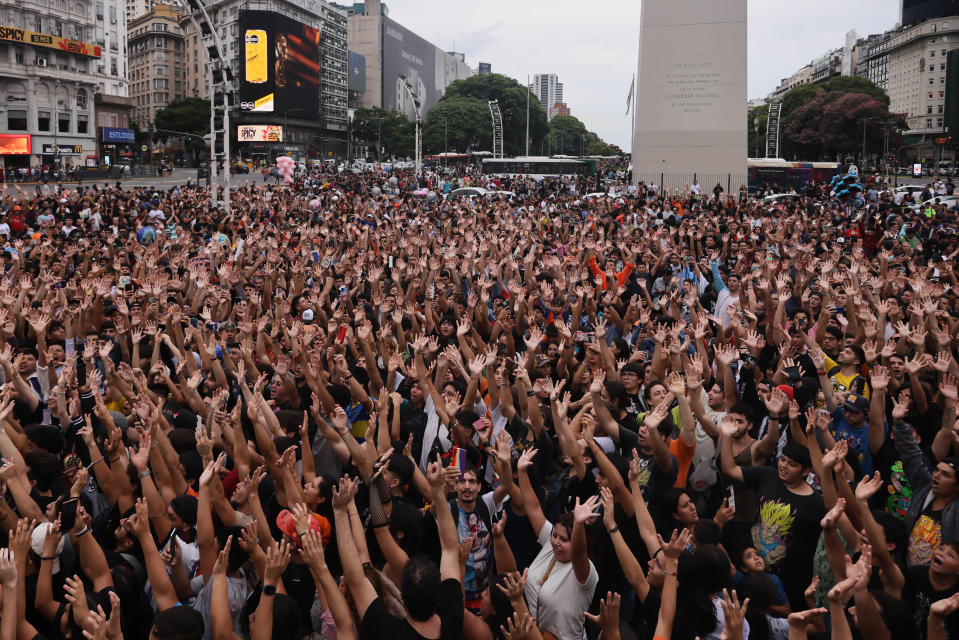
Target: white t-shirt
x=558 y=605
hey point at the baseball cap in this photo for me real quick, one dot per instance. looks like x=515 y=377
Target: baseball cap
x=308 y=315
x=36 y=543
x=856 y=402
x=286 y=523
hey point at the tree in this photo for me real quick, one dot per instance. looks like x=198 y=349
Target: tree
x=752 y=148
x=458 y=123
x=189 y=115
x=392 y=130
x=818 y=121
x=831 y=123
x=512 y=97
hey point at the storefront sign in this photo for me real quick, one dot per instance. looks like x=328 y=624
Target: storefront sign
x=74 y=150
x=114 y=135
x=15 y=144
x=47 y=41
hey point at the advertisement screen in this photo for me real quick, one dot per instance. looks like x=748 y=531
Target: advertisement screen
x=357 y=79
x=428 y=70
x=281 y=65
x=14 y=144
x=259 y=133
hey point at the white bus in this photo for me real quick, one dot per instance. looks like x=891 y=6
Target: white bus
x=539 y=167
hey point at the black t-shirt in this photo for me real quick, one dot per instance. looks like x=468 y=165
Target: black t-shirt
x=919 y=594
x=787 y=530
x=652 y=479
x=380 y=624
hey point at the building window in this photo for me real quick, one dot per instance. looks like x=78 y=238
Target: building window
x=161 y=83
x=159 y=41
x=63 y=122
x=160 y=70
x=17 y=120
x=82 y=123
x=929 y=109
x=929 y=123
x=43 y=120
x=82 y=98
x=938 y=122
x=932 y=67
x=932 y=54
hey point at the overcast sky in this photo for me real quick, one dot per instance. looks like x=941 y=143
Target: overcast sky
x=592 y=45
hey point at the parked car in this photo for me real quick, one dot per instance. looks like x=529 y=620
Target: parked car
x=949 y=201
x=240 y=168
x=469 y=191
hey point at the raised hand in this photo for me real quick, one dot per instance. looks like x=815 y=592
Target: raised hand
x=277 y=558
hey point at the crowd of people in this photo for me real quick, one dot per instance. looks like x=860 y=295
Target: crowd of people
x=358 y=408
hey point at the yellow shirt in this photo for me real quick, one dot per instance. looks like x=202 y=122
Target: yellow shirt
x=841 y=382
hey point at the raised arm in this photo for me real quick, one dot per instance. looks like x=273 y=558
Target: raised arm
x=534 y=511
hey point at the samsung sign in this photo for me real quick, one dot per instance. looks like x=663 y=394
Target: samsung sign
x=113 y=135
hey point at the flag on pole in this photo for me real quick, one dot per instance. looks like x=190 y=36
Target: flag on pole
x=629 y=97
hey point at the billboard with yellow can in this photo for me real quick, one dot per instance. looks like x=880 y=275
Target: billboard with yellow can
x=281 y=65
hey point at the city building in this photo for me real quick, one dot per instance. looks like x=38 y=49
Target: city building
x=399 y=62
x=827 y=66
x=137 y=8
x=547 y=88
x=558 y=109
x=112 y=103
x=194 y=61
x=296 y=104
x=156 y=45
x=872 y=58
x=802 y=76
x=48 y=79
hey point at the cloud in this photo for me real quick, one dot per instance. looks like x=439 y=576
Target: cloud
x=592 y=46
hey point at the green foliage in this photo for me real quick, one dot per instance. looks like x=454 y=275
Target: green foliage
x=569 y=136
x=394 y=131
x=819 y=121
x=855 y=84
x=763 y=113
x=191 y=115
x=458 y=123
x=470 y=97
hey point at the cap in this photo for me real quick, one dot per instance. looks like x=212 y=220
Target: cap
x=286 y=523
x=856 y=402
x=785 y=388
x=308 y=315
x=36 y=543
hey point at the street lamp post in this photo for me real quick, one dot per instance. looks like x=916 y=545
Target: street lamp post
x=863 y=158
x=756 y=130
x=418 y=141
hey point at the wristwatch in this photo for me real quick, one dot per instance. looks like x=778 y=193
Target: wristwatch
x=269 y=590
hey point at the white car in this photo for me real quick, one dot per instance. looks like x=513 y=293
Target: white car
x=779 y=197
x=949 y=201
x=469 y=191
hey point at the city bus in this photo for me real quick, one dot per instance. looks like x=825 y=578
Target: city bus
x=540 y=167
x=786 y=173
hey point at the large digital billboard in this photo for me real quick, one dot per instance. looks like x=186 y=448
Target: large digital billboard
x=916 y=11
x=281 y=65
x=14 y=144
x=428 y=70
